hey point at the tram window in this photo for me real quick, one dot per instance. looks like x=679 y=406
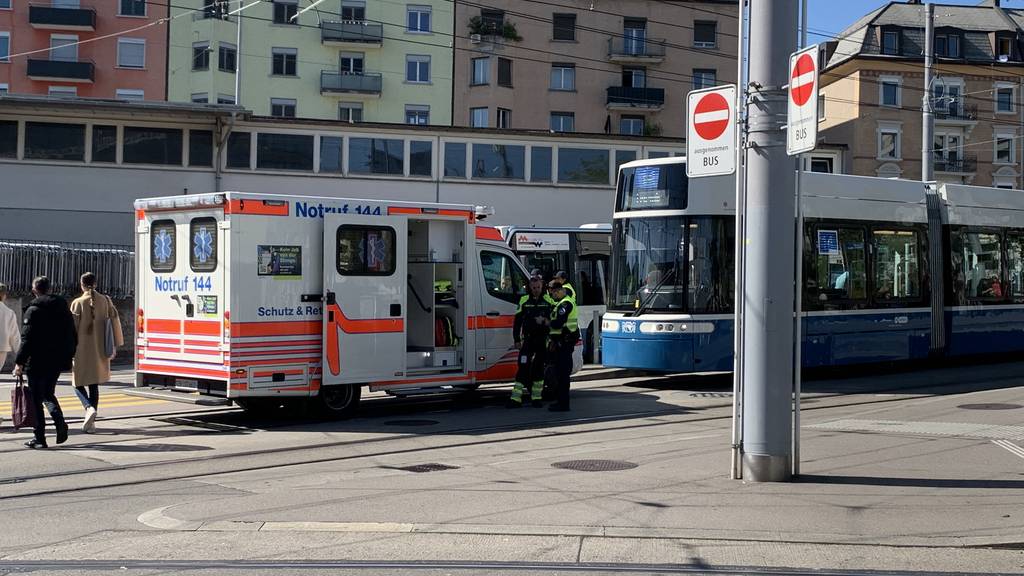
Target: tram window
x=502 y=277
x=837 y=277
x=897 y=267
x=653 y=188
x=711 y=254
x=1015 y=266
x=975 y=263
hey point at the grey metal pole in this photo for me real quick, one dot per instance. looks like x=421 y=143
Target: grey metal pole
x=769 y=244
x=736 y=465
x=927 y=118
x=238 y=55
x=798 y=328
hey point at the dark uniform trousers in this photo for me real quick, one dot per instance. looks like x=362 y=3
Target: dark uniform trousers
x=560 y=368
x=532 y=360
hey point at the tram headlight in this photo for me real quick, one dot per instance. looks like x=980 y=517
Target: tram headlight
x=609 y=325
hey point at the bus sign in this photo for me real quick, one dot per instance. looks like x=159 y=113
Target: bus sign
x=802 y=114
x=711 y=132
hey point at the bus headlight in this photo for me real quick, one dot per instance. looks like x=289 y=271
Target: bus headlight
x=609 y=325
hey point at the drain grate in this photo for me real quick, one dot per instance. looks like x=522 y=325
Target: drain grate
x=412 y=422
x=990 y=406
x=595 y=465
x=420 y=468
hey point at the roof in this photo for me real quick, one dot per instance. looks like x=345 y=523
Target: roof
x=123 y=106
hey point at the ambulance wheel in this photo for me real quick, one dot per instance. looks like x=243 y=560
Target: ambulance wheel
x=337 y=402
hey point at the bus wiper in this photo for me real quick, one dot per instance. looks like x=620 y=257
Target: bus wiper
x=650 y=297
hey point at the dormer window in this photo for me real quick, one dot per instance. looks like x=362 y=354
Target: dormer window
x=947 y=45
x=891 y=42
x=1004 y=48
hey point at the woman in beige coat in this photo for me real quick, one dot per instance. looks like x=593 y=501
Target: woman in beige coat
x=91 y=311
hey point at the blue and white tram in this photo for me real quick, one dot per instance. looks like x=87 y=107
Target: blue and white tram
x=871 y=250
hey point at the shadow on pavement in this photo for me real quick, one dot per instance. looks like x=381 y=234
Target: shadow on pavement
x=914 y=482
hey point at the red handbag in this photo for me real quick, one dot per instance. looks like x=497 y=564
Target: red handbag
x=22 y=414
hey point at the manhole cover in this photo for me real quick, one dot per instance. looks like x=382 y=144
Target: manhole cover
x=990 y=406
x=411 y=422
x=420 y=468
x=595 y=465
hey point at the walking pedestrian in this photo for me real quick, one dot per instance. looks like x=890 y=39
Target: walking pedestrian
x=10 y=336
x=48 y=344
x=98 y=328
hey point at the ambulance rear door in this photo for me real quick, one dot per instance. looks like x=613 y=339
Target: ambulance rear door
x=365 y=279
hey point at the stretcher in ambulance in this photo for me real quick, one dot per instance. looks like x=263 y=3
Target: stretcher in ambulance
x=256 y=298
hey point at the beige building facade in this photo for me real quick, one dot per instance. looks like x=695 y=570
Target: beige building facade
x=873 y=82
x=589 y=66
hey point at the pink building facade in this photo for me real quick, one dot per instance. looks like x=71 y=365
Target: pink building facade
x=61 y=47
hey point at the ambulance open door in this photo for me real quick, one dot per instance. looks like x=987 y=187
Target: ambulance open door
x=365 y=279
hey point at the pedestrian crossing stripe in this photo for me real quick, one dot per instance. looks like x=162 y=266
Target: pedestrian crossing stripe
x=71 y=403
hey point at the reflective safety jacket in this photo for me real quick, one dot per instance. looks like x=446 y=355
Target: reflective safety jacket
x=526 y=325
x=564 y=321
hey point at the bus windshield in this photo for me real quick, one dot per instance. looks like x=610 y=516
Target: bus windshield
x=673 y=264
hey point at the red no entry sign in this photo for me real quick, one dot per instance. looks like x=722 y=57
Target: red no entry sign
x=711 y=116
x=802 y=80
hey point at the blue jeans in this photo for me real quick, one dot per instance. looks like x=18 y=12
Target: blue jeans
x=92 y=400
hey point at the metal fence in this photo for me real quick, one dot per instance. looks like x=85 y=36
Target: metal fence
x=64 y=263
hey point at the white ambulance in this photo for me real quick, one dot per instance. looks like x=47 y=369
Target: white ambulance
x=254 y=297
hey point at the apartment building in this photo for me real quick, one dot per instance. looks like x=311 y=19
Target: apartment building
x=589 y=65
x=872 y=83
x=95 y=48
x=353 y=60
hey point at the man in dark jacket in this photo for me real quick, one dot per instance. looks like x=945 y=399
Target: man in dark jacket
x=48 y=342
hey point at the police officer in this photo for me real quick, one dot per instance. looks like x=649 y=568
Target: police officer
x=530 y=333
x=562 y=278
x=563 y=332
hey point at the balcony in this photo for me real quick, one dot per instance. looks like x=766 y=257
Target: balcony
x=956 y=112
x=368 y=83
x=61 y=18
x=352 y=34
x=635 y=99
x=65 y=71
x=964 y=164
x=636 y=50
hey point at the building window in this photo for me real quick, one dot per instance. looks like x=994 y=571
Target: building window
x=4 y=88
x=1005 y=152
x=47 y=141
x=1004 y=48
x=376 y=156
x=493 y=20
x=418 y=18
x=563 y=27
x=5 y=4
x=104 y=144
x=239 y=150
x=421 y=158
x=705 y=34
x=227 y=56
x=417 y=68
x=225 y=99
x=821 y=107
x=284 y=152
x=1004 y=99
x=417 y=114
x=481 y=71
x=890 y=42
x=5 y=46
x=563 y=121
x=632 y=125
x=216 y=9
x=583 y=165
x=201 y=56
x=64 y=48
x=947 y=45
x=540 y=164
x=8 y=137
x=131 y=52
x=563 y=77
x=454 y=159
x=478 y=117
x=350 y=112
x=353 y=10
x=823 y=164
x=132 y=8
x=352 y=62
x=889 y=143
x=284 y=61
x=889 y=91
x=285 y=12
x=152 y=146
x=504 y=72
x=504 y=118
x=330 y=154
x=282 y=107
x=704 y=78
x=200 y=98
x=499 y=161
x=64 y=91
x=130 y=94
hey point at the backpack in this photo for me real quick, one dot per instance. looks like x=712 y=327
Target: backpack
x=444 y=332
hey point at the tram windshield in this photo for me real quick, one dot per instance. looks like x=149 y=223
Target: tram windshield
x=681 y=264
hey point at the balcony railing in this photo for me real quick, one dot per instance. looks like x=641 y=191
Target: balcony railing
x=627 y=97
x=61 y=18
x=69 y=71
x=636 y=48
x=956 y=111
x=354 y=32
x=965 y=163
x=349 y=82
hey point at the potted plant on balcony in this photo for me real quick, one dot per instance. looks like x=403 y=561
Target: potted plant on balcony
x=480 y=27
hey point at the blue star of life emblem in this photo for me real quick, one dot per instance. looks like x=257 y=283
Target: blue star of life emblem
x=203 y=245
x=162 y=246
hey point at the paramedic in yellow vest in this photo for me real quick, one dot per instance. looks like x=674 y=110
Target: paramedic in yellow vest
x=563 y=332
x=530 y=333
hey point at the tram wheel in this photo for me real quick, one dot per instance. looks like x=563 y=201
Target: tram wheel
x=337 y=402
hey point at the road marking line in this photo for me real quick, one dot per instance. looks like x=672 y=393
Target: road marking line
x=1013 y=448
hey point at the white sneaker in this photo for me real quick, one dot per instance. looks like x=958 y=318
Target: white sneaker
x=89 y=426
